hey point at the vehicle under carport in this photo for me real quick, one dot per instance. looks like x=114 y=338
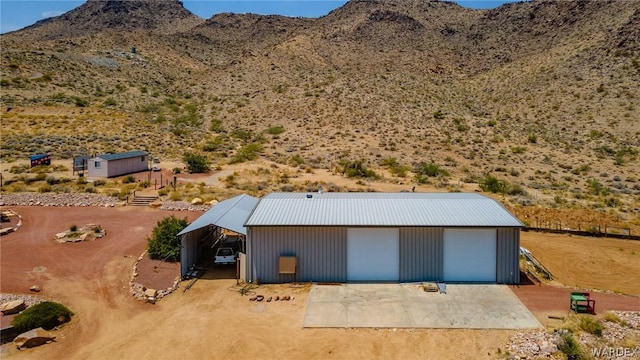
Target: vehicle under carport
x=222 y=223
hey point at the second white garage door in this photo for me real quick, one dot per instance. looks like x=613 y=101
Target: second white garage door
x=373 y=254
x=470 y=255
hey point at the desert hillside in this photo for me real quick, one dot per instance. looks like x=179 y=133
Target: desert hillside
x=535 y=100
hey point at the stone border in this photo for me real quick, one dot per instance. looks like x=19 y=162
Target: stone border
x=141 y=292
x=5 y=231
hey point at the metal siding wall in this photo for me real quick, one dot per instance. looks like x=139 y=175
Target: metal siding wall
x=421 y=254
x=320 y=252
x=127 y=166
x=189 y=251
x=508 y=256
x=92 y=171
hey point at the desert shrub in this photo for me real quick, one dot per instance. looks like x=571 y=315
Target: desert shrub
x=217 y=143
x=90 y=189
x=164 y=191
x=164 y=243
x=196 y=163
x=44 y=188
x=110 y=102
x=491 y=184
x=128 y=179
x=357 y=169
x=52 y=180
x=570 y=347
x=425 y=170
x=533 y=138
x=596 y=188
x=591 y=325
x=19 y=169
x=175 y=196
x=216 y=126
x=81 y=180
x=275 y=130
x=80 y=102
x=296 y=160
x=46 y=315
x=438 y=114
x=242 y=134
x=124 y=192
x=395 y=167
x=246 y=153
x=99 y=182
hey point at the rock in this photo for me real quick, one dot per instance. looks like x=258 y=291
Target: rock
x=12 y=307
x=151 y=293
x=196 y=201
x=156 y=204
x=548 y=348
x=35 y=288
x=34 y=337
x=213 y=202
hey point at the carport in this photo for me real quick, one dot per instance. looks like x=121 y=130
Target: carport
x=197 y=238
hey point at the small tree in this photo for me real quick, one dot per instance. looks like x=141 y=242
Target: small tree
x=196 y=163
x=164 y=243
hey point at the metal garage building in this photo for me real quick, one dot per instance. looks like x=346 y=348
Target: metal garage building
x=395 y=237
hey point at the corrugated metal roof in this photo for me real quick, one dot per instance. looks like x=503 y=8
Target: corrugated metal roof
x=124 y=155
x=229 y=214
x=380 y=209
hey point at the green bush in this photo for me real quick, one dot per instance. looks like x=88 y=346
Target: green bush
x=46 y=315
x=492 y=184
x=196 y=163
x=164 y=243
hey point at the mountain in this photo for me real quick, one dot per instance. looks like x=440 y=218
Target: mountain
x=95 y=16
x=540 y=94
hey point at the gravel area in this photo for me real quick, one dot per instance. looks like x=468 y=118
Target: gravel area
x=542 y=344
x=29 y=300
x=80 y=200
x=56 y=200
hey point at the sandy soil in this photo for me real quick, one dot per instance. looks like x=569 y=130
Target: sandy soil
x=588 y=262
x=209 y=321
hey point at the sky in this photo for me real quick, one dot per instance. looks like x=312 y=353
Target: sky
x=17 y=14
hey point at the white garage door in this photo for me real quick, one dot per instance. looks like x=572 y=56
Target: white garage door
x=470 y=255
x=373 y=254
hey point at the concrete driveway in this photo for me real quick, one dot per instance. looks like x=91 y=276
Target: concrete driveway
x=467 y=306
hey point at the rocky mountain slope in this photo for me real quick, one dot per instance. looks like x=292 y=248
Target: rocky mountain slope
x=540 y=94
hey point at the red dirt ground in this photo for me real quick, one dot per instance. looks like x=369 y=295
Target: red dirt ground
x=31 y=256
x=548 y=298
